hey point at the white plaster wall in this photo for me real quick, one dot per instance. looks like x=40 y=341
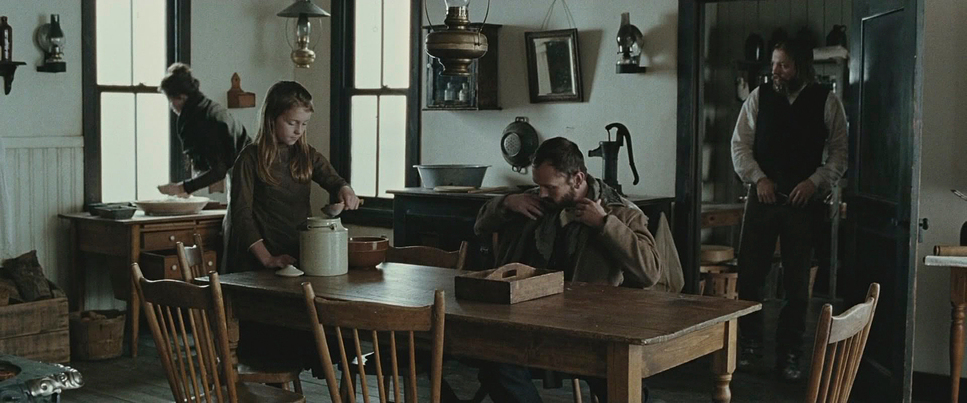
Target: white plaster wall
x=42 y=104
x=645 y=103
x=943 y=167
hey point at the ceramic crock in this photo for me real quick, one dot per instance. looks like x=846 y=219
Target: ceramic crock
x=324 y=247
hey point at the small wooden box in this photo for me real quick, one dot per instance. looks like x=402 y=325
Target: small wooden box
x=36 y=330
x=508 y=284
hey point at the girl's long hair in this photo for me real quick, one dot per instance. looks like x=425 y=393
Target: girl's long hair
x=283 y=95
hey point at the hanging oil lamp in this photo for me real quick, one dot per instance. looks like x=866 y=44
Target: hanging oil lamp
x=458 y=45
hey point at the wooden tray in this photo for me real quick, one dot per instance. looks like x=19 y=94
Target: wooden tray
x=508 y=284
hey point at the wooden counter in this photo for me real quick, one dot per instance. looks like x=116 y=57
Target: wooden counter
x=122 y=241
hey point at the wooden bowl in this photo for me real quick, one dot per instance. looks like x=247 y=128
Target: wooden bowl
x=367 y=251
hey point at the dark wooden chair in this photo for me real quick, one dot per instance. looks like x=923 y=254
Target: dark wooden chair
x=840 y=341
x=346 y=320
x=189 y=327
x=193 y=265
x=429 y=256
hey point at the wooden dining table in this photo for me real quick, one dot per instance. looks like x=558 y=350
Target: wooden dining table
x=623 y=334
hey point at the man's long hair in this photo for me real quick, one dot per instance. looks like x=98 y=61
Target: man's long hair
x=802 y=56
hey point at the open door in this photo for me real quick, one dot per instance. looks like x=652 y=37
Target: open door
x=882 y=214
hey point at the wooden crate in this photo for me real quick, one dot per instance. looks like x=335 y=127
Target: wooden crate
x=508 y=284
x=36 y=330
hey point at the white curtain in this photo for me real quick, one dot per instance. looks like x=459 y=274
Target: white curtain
x=6 y=209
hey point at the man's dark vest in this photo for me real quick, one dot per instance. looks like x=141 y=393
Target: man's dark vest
x=789 y=139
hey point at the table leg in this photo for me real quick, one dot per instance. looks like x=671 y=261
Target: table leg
x=77 y=276
x=723 y=364
x=624 y=373
x=232 y=326
x=956 y=348
x=134 y=302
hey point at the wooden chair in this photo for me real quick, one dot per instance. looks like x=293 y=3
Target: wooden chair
x=397 y=324
x=429 y=256
x=840 y=341
x=198 y=367
x=192 y=264
x=719 y=281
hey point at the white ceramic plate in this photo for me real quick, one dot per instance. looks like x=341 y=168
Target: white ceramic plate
x=289 y=271
x=173 y=206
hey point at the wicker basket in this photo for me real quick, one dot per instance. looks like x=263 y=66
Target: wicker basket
x=96 y=335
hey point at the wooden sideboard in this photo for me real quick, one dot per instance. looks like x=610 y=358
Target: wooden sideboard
x=426 y=217
x=120 y=243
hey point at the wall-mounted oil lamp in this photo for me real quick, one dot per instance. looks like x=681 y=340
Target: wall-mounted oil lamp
x=7 y=65
x=630 y=40
x=50 y=39
x=458 y=45
x=303 y=10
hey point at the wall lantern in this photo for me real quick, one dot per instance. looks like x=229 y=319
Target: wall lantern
x=303 y=10
x=458 y=45
x=50 y=39
x=630 y=40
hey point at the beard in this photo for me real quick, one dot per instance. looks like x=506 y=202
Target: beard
x=786 y=87
x=568 y=200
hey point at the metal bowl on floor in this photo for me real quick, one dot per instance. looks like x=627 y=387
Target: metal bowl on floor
x=451 y=175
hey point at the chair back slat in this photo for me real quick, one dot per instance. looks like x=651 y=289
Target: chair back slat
x=191 y=260
x=360 y=364
x=188 y=325
x=396 y=365
x=384 y=325
x=429 y=256
x=840 y=342
x=374 y=316
x=379 y=364
x=177 y=294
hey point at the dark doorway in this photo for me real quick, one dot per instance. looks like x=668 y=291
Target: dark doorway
x=879 y=233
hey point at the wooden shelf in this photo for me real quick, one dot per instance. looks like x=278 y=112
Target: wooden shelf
x=6 y=70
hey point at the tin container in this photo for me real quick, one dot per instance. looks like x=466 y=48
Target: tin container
x=324 y=247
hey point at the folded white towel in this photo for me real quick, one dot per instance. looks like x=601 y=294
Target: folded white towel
x=830 y=52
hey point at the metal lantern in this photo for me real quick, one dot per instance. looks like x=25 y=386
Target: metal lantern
x=50 y=38
x=630 y=41
x=303 y=10
x=458 y=45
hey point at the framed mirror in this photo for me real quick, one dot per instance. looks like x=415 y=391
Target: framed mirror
x=553 y=66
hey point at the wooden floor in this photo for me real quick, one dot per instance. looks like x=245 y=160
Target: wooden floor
x=142 y=380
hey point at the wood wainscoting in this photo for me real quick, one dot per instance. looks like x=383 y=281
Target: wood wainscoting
x=45 y=176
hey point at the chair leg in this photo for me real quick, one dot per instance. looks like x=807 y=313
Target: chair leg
x=297 y=384
x=576 y=384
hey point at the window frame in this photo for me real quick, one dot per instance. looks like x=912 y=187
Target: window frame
x=375 y=211
x=178 y=50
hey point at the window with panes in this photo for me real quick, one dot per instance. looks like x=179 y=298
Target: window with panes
x=376 y=94
x=128 y=125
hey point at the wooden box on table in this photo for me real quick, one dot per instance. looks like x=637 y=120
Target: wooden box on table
x=508 y=284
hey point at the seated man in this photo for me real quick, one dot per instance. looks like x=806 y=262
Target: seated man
x=574 y=223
